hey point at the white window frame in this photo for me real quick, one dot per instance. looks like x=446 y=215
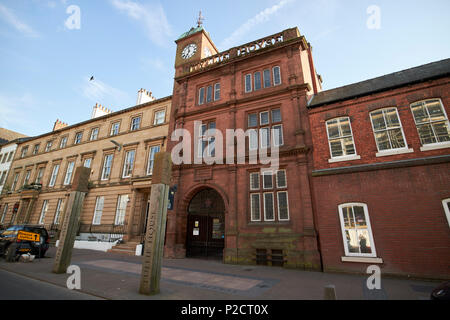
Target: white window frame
x=246 y=78
x=201 y=96
x=15 y=180
x=98 y=210
x=261 y=85
x=151 y=158
x=273 y=206
x=115 y=126
x=446 y=203
x=94 y=134
x=105 y=167
x=63 y=142
x=264 y=78
x=391 y=150
x=24 y=152
x=369 y=229
x=287 y=205
x=43 y=212
x=78 y=141
x=48 y=146
x=267 y=173
x=216 y=91
x=264 y=143
x=251 y=207
x=26 y=178
x=59 y=206
x=4 y=212
x=285 y=179
x=69 y=173
x=268 y=118
x=134 y=124
x=127 y=164
x=87 y=161
x=158 y=118
x=435 y=145
x=259 y=181
x=121 y=212
x=345 y=157
x=40 y=175
x=35 y=149
x=253 y=137
x=54 y=175
x=273 y=75
x=209 y=90
x=2 y=177
x=274 y=138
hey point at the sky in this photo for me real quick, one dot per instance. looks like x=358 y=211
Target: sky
x=49 y=49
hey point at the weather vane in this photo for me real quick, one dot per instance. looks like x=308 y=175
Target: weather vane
x=200 y=19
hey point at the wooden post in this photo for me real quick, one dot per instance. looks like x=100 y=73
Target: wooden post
x=71 y=222
x=330 y=292
x=156 y=225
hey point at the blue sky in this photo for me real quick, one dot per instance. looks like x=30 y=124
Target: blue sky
x=129 y=44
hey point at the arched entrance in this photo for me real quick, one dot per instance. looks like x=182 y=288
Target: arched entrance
x=206 y=225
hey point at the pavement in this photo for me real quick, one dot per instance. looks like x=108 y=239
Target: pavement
x=117 y=277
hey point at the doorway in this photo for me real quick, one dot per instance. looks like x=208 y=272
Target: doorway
x=206 y=225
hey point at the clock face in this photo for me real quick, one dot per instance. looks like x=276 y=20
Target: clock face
x=189 y=51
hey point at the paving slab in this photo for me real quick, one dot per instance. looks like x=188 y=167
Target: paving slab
x=117 y=276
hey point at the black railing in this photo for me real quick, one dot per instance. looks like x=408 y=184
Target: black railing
x=112 y=232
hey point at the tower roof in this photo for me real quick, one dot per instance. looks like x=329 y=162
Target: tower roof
x=192 y=31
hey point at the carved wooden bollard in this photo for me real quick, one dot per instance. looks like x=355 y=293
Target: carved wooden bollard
x=72 y=219
x=156 y=225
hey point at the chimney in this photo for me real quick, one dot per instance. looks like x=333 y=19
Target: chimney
x=99 y=111
x=144 y=96
x=59 y=125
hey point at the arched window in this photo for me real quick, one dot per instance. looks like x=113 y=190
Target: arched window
x=356 y=230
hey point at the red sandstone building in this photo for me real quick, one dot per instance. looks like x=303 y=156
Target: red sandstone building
x=231 y=210
x=381 y=176
x=363 y=174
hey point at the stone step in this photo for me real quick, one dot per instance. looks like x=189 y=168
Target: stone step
x=123 y=251
x=128 y=248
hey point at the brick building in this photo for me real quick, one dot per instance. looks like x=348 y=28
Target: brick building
x=381 y=175
x=231 y=209
x=117 y=146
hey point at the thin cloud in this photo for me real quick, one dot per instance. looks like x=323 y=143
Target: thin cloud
x=261 y=17
x=98 y=91
x=9 y=17
x=151 y=17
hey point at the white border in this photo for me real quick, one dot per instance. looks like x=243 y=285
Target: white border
x=369 y=229
x=446 y=209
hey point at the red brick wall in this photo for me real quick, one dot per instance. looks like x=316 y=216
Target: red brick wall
x=358 y=110
x=231 y=112
x=409 y=226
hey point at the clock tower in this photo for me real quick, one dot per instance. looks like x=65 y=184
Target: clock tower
x=193 y=46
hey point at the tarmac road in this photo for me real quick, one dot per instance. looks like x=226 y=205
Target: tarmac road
x=17 y=287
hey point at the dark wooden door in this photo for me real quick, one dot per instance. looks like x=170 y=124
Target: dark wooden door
x=206 y=236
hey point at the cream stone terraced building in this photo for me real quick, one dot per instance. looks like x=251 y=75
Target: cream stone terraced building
x=118 y=147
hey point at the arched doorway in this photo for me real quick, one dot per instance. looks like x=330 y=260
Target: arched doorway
x=206 y=225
